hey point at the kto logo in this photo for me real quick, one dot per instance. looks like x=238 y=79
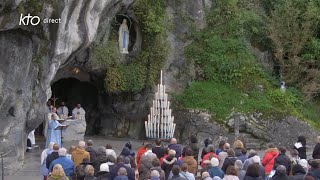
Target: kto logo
x=25 y=20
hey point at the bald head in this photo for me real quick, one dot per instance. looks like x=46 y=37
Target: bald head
x=82 y=144
x=173 y=141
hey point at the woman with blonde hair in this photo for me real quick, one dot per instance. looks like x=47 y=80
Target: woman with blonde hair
x=89 y=170
x=238 y=146
x=57 y=173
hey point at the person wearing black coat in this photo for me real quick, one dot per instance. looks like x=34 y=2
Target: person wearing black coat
x=99 y=159
x=91 y=150
x=316 y=150
x=120 y=163
x=230 y=160
x=195 y=147
x=283 y=159
x=54 y=155
x=253 y=173
x=301 y=147
x=206 y=142
x=298 y=172
x=168 y=163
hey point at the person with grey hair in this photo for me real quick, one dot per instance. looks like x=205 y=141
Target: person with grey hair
x=122 y=174
x=66 y=163
x=281 y=173
x=175 y=146
x=239 y=167
x=79 y=154
x=99 y=159
x=215 y=169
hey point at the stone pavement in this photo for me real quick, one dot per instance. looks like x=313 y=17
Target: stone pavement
x=31 y=166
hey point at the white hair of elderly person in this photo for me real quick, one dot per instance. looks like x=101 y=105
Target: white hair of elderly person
x=62 y=152
x=82 y=144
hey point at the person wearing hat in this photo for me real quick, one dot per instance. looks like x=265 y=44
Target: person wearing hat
x=256 y=160
x=215 y=169
x=103 y=174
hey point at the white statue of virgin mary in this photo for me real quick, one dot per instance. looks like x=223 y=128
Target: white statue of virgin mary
x=124 y=37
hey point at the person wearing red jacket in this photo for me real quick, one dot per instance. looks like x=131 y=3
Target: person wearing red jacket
x=209 y=155
x=269 y=157
x=140 y=152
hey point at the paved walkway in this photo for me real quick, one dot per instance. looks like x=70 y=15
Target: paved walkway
x=31 y=166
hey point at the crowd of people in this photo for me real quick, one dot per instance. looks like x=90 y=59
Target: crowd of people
x=153 y=161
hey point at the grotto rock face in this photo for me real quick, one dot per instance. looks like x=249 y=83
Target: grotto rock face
x=30 y=56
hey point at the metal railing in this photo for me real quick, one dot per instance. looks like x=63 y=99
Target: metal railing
x=2 y=154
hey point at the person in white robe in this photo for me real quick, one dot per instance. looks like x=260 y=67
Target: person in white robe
x=63 y=111
x=32 y=138
x=78 y=113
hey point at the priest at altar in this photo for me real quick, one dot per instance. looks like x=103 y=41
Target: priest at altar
x=63 y=111
x=47 y=118
x=52 y=134
x=78 y=113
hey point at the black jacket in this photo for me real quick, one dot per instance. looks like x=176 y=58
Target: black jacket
x=159 y=151
x=115 y=169
x=282 y=177
x=98 y=161
x=315 y=173
x=284 y=160
x=316 y=152
x=298 y=176
x=252 y=178
x=92 y=152
x=227 y=162
x=103 y=175
x=51 y=157
x=302 y=152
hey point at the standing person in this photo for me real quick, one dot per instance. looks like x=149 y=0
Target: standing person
x=220 y=147
x=63 y=111
x=239 y=167
x=210 y=154
x=52 y=134
x=58 y=173
x=48 y=115
x=215 y=169
x=158 y=150
x=268 y=158
x=45 y=153
x=256 y=160
x=231 y=173
x=99 y=159
x=315 y=170
x=79 y=154
x=80 y=170
x=194 y=146
x=79 y=113
x=169 y=162
x=128 y=152
x=191 y=163
x=229 y=161
x=91 y=150
x=185 y=173
x=298 y=172
x=120 y=164
x=89 y=170
x=206 y=176
x=103 y=174
x=54 y=155
x=157 y=166
x=294 y=156
x=204 y=151
x=110 y=151
x=122 y=174
x=176 y=173
x=253 y=173
x=67 y=164
x=140 y=152
x=301 y=146
x=249 y=161
x=283 y=159
x=316 y=150
x=146 y=162
x=237 y=147
x=175 y=146
x=243 y=156
x=281 y=173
